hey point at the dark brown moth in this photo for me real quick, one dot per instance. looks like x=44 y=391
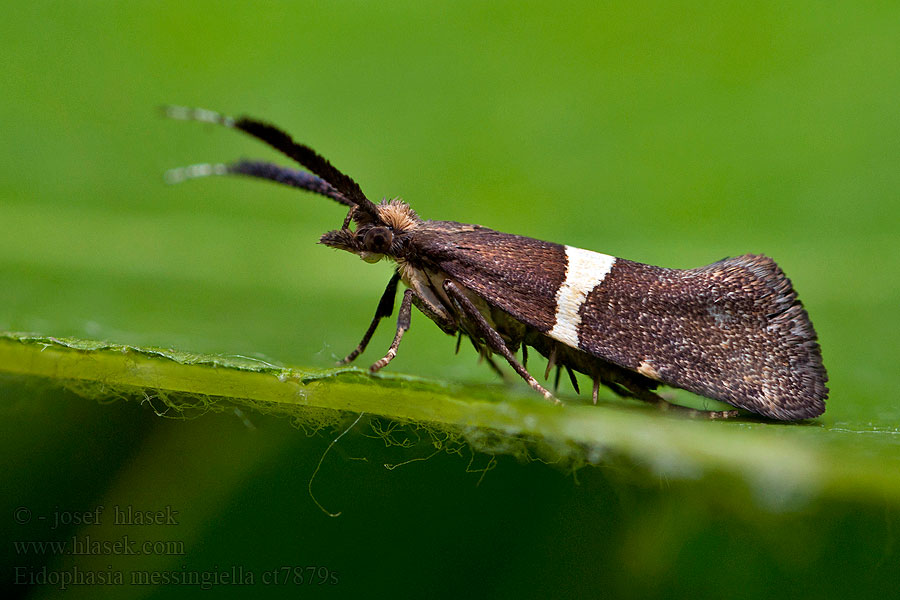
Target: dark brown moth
x=733 y=330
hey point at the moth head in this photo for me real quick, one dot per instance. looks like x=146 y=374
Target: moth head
x=378 y=234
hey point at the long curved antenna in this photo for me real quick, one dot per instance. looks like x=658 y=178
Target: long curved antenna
x=282 y=142
x=262 y=170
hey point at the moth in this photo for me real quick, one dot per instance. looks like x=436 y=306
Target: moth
x=733 y=330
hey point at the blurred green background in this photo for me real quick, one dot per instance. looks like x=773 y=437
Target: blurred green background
x=669 y=134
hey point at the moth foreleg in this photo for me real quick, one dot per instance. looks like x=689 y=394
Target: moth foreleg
x=385 y=308
x=491 y=337
x=438 y=314
x=403 y=318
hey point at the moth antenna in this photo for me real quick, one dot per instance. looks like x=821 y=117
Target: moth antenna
x=262 y=170
x=596 y=391
x=308 y=158
x=284 y=143
x=186 y=113
x=287 y=176
x=180 y=174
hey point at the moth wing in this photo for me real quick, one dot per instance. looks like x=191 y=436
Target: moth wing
x=517 y=274
x=733 y=330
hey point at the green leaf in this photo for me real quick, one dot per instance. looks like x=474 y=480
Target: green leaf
x=778 y=460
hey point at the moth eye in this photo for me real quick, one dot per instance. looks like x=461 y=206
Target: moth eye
x=378 y=239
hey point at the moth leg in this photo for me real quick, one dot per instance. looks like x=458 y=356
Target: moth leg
x=385 y=308
x=403 y=318
x=642 y=393
x=693 y=413
x=491 y=337
x=438 y=314
x=620 y=387
x=712 y=415
x=573 y=380
x=551 y=362
x=493 y=365
x=346 y=223
x=485 y=355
